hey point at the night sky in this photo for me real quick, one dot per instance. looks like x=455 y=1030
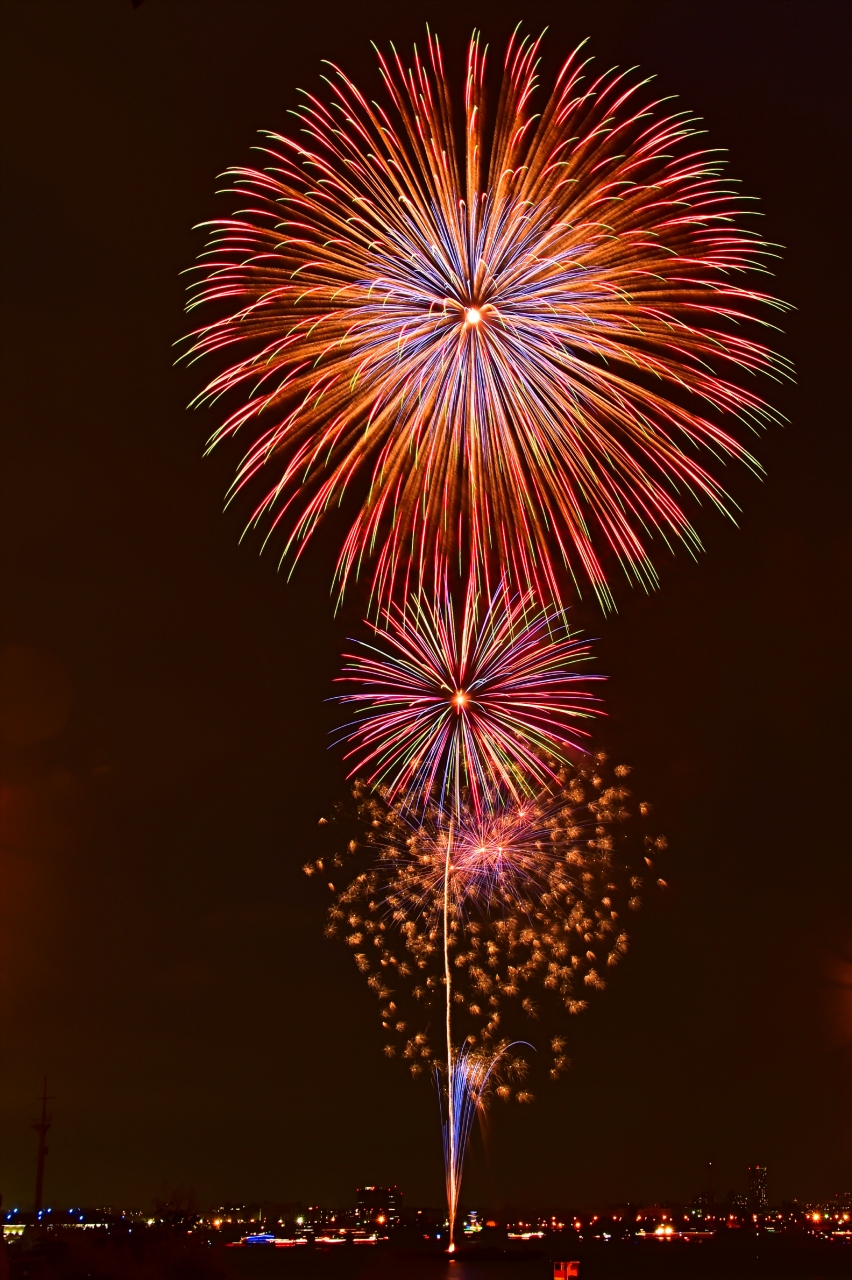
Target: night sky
x=164 y=718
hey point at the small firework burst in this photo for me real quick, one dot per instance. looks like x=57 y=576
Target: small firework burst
x=531 y=937
x=485 y=695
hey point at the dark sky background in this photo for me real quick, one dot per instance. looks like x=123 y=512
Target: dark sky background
x=166 y=755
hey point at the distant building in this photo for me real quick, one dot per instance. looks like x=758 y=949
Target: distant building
x=317 y=1215
x=425 y=1219
x=378 y=1206
x=702 y=1207
x=758 y=1198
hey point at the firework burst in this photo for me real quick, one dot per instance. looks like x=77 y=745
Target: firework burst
x=484 y=695
x=510 y=338
x=499 y=854
x=532 y=938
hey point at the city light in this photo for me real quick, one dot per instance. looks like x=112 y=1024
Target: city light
x=379 y=1219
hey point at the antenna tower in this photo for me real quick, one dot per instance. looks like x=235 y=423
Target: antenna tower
x=41 y=1127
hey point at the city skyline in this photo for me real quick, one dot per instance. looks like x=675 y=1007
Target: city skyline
x=750 y=1195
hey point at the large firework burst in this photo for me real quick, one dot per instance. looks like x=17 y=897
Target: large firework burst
x=483 y=694
x=510 y=338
